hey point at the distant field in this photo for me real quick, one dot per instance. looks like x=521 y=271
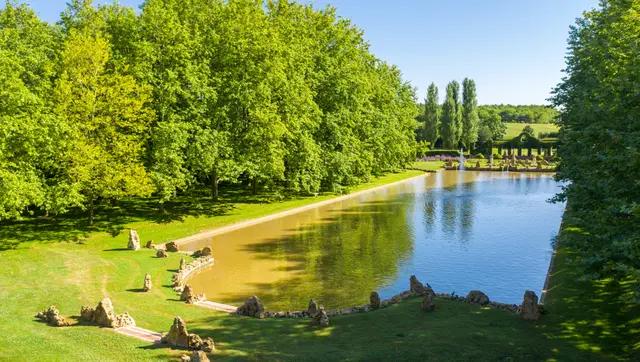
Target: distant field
x=514 y=129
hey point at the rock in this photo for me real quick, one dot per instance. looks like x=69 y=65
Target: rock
x=418 y=288
x=313 y=308
x=103 y=314
x=208 y=345
x=150 y=245
x=530 y=310
x=183 y=264
x=171 y=246
x=195 y=341
x=252 y=307
x=189 y=296
x=123 y=320
x=321 y=318
x=86 y=314
x=427 y=304
x=374 y=300
x=178 y=334
x=477 y=297
x=134 y=240
x=147 y=283
x=161 y=253
x=52 y=317
x=185 y=358
x=206 y=251
x=198 y=356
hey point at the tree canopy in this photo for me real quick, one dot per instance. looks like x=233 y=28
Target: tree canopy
x=109 y=104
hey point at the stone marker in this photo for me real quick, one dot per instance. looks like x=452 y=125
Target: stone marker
x=416 y=287
x=427 y=304
x=183 y=264
x=161 y=253
x=530 y=310
x=171 y=246
x=321 y=318
x=134 y=240
x=150 y=245
x=313 y=308
x=477 y=297
x=374 y=300
x=52 y=317
x=252 y=307
x=147 y=283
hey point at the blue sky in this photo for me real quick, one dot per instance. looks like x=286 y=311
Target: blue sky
x=514 y=49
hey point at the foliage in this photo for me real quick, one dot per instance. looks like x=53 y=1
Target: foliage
x=432 y=115
x=520 y=113
x=470 y=120
x=449 y=124
x=111 y=104
x=600 y=137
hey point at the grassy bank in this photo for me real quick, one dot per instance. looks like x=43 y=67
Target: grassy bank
x=50 y=262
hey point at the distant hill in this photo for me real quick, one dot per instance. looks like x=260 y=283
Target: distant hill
x=520 y=113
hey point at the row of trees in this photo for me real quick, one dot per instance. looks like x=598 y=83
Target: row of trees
x=109 y=104
x=600 y=138
x=457 y=121
x=521 y=113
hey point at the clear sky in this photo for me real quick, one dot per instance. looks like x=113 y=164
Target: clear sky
x=514 y=49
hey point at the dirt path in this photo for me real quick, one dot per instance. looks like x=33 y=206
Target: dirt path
x=217 y=306
x=140 y=333
x=259 y=220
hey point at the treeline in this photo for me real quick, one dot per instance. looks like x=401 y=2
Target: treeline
x=520 y=113
x=109 y=104
x=457 y=122
x=600 y=137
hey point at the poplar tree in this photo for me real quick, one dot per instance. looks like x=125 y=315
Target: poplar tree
x=449 y=123
x=458 y=113
x=432 y=115
x=470 y=119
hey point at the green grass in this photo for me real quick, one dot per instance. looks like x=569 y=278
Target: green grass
x=50 y=262
x=514 y=129
x=427 y=166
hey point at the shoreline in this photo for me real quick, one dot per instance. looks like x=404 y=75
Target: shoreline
x=242 y=224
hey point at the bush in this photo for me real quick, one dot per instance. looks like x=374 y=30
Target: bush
x=480 y=156
x=497 y=156
x=454 y=153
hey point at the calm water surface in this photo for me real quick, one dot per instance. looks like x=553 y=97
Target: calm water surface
x=455 y=230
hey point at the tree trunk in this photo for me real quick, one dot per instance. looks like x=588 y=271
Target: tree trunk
x=91 y=210
x=254 y=186
x=214 y=184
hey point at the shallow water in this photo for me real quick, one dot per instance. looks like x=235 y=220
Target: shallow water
x=456 y=230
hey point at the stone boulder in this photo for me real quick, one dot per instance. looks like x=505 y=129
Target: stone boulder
x=150 y=245
x=178 y=334
x=321 y=318
x=188 y=295
x=52 y=317
x=206 y=251
x=171 y=247
x=134 y=240
x=208 y=345
x=198 y=356
x=252 y=307
x=427 y=304
x=477 y=297
x=161 y=253
x=104 y=315
x=374 y=300
x=313 y=308
x=530 y=310
x=416 y=287
x=147 y=283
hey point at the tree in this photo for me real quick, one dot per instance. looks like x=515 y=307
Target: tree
x=432 y=115
x=599 y=135
x=491 y=127
x=458 y=113
x=470 y=119
x=107 y=114
x=449 y=123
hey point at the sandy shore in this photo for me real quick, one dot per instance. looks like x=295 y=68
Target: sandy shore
x=239 y=225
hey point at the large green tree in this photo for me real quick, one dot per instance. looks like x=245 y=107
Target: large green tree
x=449 y=124
x=432 y=115
x=470 y=120
x=600 y=139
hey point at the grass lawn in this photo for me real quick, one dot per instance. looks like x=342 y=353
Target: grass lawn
x=514 y=129
x=69 y=264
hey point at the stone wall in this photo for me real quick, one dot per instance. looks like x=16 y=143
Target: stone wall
x=180 y=278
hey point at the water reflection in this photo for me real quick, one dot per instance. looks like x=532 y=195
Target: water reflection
x=456 y=230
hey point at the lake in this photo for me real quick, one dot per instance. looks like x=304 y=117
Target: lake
x=456 y=230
